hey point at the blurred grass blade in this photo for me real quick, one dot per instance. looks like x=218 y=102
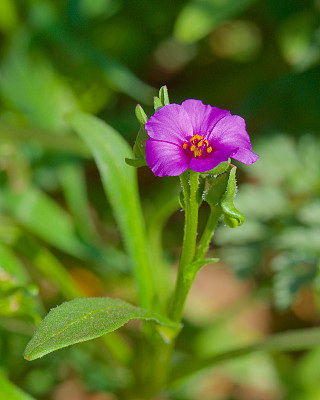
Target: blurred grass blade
x=84 y=319
x=12 y=265
x=9 y=391
x=120 y=184
x=65 y=144
x=43 y=217
x=49 y=266
x=17 y=295
x=73 y=183
x=136 y=162
x=163 y=205
x=297 y=340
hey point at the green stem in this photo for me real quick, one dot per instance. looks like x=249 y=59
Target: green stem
x=206 y=237
x=189 y=182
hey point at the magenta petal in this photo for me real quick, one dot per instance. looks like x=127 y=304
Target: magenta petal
x=231 y=131
x=170 y=124
x=166 y=158
x=208 y=163
x=245 y=156
x=203 y=117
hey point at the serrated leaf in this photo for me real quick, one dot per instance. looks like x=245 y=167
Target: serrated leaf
x=80 y=320
x=232 y=216
x=217 y=188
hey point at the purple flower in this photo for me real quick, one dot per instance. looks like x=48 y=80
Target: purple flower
x=197 y=136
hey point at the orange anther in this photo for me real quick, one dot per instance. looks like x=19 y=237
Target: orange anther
x=200 y=143
x=196 y=137
x=193 y=147
x=209 y=149
x=199 y=153
x=185 y=145
x=206 y=142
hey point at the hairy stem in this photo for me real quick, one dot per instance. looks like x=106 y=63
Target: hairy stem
x=190 y=187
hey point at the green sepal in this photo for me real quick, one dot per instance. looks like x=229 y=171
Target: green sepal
x=164 y=95
x=140 y=143
x=219 y=169
x=157 y=104
x=221 y=193
x=217 y=188
x=136 y=162
x=141 y=115
x=181 y=200
x=232 y=217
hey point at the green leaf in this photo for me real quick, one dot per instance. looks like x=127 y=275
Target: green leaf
x=297 y=340
x=120 y=184
x=9 y=391
x=84 y=319
x=136 y=162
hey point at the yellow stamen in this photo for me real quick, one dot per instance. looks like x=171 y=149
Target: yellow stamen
x=200 y=143
x=185 y=145
x=206 y=142
x=199 y=153
x=193 y=147
x=209 y=149
x=196 y=137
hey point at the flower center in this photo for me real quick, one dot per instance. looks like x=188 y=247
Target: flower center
x=197 y=146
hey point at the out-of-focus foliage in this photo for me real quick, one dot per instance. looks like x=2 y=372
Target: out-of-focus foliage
x=260 y=59
x=282 y=208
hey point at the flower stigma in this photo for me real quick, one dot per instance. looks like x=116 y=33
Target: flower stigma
x=198 y=146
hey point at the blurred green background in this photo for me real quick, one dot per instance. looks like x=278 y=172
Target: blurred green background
x=58 y=240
